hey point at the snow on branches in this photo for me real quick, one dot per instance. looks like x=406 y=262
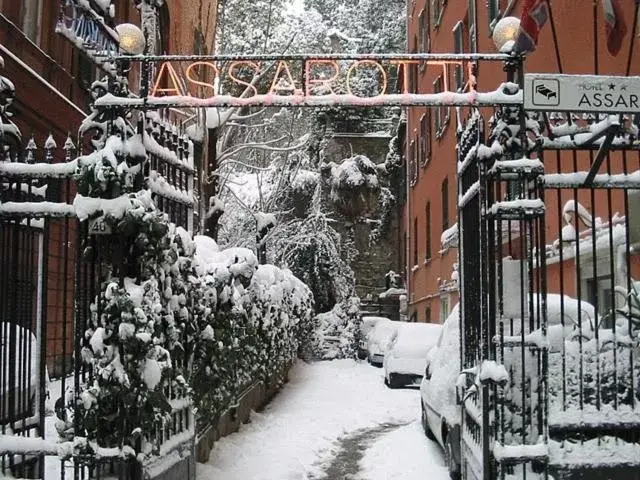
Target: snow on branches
x=354 y=184
x=252 y=321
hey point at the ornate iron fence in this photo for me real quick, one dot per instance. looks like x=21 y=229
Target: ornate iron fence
x=52 y=268
x=550 y=296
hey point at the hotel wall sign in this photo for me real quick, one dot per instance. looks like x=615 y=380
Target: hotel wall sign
x=582 y=93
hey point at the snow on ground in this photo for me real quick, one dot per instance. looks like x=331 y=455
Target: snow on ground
x=297 y=436
x=403 y=454
x=53 y=465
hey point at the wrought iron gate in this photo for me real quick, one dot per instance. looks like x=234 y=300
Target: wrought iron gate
x=52 y=268
x=549 y=220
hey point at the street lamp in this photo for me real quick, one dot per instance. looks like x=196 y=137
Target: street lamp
x=505 y=33
x=130 y=38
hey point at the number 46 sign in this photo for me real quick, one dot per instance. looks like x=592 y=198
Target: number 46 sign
x=98 y=226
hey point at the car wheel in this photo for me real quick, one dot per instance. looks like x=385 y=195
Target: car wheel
x=425 y=425
x=450 y=461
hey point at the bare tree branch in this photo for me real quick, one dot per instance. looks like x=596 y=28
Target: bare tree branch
x=243 y=125
x=251 y=115
x=242 y=204
x=260 y=196
x=245 y=146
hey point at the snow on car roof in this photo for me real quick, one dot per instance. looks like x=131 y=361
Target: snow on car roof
x=417 y=337
x=374 y=318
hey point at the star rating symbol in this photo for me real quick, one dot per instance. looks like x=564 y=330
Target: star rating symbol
x=612 y=86
x=623 y=87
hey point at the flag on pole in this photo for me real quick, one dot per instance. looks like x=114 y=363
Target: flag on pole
x=535 y=14
x=615 y=26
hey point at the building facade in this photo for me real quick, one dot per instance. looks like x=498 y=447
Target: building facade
x=573 y=42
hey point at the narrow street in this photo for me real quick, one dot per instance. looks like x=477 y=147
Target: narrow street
x=332 y=421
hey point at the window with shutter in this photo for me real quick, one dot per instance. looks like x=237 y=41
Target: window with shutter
x=472 y=26
x=413 y=165
x=421 y=33
x=445 y=204
x=442 y=111
x=426 y=31
x=458 y=48
x=32 y=19
x=415 y=241
x=425 y=138
x=427 y=233
x=437 y=9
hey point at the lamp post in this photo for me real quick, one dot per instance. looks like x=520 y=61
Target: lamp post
x=504 y=37
x=131 y=41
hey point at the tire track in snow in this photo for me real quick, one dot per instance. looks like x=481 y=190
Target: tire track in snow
x=345 y=462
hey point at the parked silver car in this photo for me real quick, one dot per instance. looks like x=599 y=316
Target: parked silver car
x=405 y=361
x=379 y=341
x=366 y=326
x=440 y=413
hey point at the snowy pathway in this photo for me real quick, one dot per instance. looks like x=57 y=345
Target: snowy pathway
x=332 y=421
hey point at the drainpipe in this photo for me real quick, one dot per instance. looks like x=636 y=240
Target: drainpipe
x=407 y=270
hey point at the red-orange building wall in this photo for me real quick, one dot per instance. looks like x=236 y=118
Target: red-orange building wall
x=581 y=50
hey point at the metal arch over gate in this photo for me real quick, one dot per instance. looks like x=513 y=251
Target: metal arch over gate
x=305 y=81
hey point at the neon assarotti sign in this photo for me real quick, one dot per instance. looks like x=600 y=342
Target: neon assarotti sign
x=361 y=80
x=322 y=80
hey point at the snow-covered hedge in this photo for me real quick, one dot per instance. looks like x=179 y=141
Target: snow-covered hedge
x=137 y=336
x=201 y=321
x=252 y=320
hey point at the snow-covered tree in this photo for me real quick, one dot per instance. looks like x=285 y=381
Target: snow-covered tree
x=312 y=249
x=363 y=26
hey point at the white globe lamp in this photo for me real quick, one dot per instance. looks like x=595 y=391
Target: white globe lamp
x=130 y=38
x=505 y=33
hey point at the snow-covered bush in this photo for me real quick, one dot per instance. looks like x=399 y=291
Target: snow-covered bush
x=302 y=191
x=252 y=321
x=174 y=319
x=337 y=331
x=204 y=321
x=134 y=343
x=386 y=211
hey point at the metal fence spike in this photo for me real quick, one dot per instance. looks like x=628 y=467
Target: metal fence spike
x=68 y=144
x=50 y=143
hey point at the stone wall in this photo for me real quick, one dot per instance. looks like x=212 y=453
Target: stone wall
x=374 y=146
x=374 y=259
